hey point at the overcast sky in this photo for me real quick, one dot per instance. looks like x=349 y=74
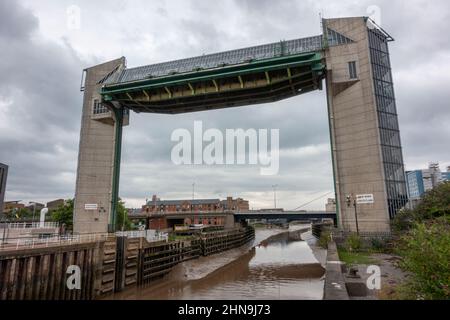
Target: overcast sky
x=40 y=102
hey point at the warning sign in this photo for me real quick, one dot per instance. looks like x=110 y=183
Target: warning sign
x=365 y=199
x=91 y=206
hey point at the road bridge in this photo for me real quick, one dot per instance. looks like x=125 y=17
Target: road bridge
x=287 y=215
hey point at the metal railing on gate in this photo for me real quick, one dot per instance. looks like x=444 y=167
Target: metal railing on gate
x=149 y=235
x=29 y=225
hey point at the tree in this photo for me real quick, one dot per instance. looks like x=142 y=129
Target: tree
x=64 y=214
x=424 y=245
x=20 y=213
x=123 y=223
x=435 y=203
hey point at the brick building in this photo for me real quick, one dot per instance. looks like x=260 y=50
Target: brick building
x=157 y=205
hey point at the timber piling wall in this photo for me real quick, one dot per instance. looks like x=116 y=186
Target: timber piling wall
x=106 y=266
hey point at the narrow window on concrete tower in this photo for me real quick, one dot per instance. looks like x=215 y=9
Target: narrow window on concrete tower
x=352 y=70
x=99 y=108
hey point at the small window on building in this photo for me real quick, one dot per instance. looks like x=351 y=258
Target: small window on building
x=352 y=70
x=99 y=108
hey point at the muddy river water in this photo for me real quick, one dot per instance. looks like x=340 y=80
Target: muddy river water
x=279 y=264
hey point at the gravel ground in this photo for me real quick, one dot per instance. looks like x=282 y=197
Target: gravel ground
x=391 y=276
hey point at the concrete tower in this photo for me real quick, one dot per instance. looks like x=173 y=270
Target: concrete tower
x=93 y=196
x=365 y=135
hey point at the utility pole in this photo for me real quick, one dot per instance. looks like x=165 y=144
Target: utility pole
x=275 y=195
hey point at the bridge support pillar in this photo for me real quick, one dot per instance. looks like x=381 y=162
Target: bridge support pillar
x=98 y=158
x=366 y=150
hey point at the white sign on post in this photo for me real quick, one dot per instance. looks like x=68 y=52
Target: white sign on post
x=91 y=206
x=365 y=199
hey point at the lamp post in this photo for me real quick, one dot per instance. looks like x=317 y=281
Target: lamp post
x=351 y=200
x=275 y=195
x=34 y=211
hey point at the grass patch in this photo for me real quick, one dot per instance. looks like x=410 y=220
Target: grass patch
x=355 y=257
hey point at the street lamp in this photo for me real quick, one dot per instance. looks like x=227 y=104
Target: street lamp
x=352 y=200
x=34 y=210
x=275 y=195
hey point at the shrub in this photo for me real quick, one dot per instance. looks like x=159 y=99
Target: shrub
x=426 y=255
x=404 y=220
x=353 y=242
x=325 y=238
x=64 y=214
x=434 y=204
x=378 y=244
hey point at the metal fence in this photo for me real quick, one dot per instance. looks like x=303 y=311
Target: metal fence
x=51 y=241
x=362 y=234
x=30 y=242
x=29 y=225
x=149 y=235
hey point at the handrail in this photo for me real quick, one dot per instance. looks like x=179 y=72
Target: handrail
x=29 y=225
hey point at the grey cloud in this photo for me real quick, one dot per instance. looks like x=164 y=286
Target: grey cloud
x=39 y=128
x=16 y=22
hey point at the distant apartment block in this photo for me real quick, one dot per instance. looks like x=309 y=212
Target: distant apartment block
x=421 y=181
x=3 y=177
x=238 y=204
x=11 y=206
x=331 y=205
x=35 y=207
x=55 y=204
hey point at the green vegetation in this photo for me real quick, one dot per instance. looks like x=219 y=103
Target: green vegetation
x=123 y=223
x=64 y=215
x=435 y=203
x=423 y=246
x=325 y=238
x=352 y=257
x=355 y=251
x=353 y=243
x=22 y=213
x=425 y=250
